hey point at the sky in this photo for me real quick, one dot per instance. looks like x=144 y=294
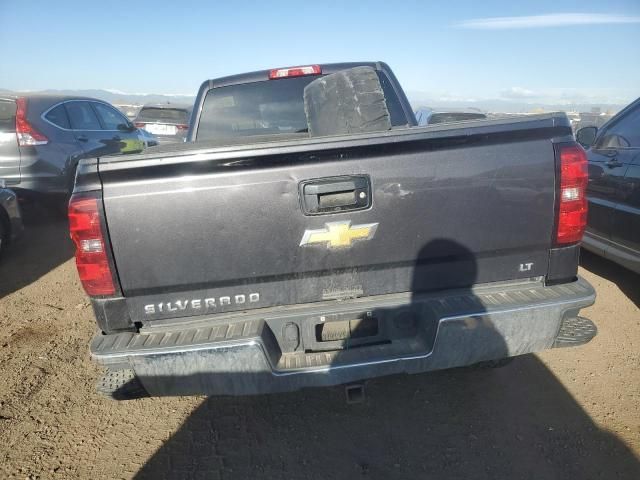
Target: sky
x=543 y=51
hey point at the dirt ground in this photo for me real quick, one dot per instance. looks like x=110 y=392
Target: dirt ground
x=563 y=414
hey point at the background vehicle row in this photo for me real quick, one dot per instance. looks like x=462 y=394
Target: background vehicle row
x=613 y=192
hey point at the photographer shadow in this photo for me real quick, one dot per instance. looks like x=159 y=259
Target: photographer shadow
x=482 y=423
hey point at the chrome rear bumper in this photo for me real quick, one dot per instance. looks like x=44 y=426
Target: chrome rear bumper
x=247 y=354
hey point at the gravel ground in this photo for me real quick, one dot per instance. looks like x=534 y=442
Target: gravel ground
x=569 y=413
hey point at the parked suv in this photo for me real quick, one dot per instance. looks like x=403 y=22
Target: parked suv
x=168 y=122
x=42 y=138
x=613 y=226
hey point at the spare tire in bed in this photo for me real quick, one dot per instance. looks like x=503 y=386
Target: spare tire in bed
x=349 y=101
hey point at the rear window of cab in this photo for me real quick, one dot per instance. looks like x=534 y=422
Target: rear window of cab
x=269 y=107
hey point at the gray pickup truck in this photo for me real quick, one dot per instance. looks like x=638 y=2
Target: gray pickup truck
x=310 y=234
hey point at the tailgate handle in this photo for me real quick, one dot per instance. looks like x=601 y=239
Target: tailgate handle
x=336 y=194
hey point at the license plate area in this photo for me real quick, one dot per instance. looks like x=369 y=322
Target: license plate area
x=160 y=129
x=349 y=336
x=347 y=329
x=344 y=331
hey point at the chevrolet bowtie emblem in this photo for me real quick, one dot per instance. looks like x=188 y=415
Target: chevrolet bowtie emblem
x=339 y=234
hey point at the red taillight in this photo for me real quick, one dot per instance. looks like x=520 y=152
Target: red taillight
x=91 y=256
x=26 y=133
x=139 y=124
x=295 y=71
x=182 y=127
x=572 y=199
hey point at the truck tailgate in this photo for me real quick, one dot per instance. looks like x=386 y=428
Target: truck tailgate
x=207 y=231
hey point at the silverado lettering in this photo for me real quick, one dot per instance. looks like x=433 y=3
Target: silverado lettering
x=199 y=304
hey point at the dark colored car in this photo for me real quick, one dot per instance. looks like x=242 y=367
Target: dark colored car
x=430 y=116
x=10 y=219
x=43 y=137
x=613 y=226
x=314 y=236
x=168 y=122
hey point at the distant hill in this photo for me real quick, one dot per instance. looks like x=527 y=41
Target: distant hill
x=116 y=97
x=498 y=105
x=417 y=99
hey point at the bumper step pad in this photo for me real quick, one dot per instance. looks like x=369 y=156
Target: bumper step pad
x=575 y=331
x=121 y=385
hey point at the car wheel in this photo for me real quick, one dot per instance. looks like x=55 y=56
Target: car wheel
x=4 y=236
x=71 y=179
x=60 y=203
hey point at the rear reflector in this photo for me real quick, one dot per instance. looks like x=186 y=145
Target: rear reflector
x=295 y=71
x=572 y=211
x=26 y=133
x=91 y=256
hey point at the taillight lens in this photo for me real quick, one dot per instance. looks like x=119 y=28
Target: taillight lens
x=182 y=127
x=26 y=133
x=295 y=71
x=91 y=256
x=572 y=199
x=140 y=124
